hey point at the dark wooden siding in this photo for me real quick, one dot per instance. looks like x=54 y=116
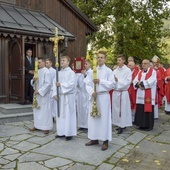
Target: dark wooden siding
x=4 y=90
x=61 y=13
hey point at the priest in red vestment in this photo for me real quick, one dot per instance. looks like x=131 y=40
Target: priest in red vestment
x=145 y=83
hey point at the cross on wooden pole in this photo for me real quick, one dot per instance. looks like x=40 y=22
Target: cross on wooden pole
x=55 y=40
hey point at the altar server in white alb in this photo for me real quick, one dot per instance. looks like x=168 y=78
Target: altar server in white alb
x=42 y=117
x=121 y=108
x=66 y=122
x=82 y=98
x=52 y=71
x=99 y=127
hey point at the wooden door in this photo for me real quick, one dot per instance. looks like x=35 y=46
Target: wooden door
x=16 y=70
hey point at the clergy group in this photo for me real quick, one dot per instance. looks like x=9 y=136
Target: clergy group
x=101 y=100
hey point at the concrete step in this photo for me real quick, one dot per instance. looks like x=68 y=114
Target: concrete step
x=9 y=118
x=15 y=113
x=13 y=108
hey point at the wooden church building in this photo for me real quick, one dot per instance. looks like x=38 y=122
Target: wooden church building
x=29 y=24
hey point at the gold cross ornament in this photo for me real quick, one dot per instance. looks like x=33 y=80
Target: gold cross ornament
x=55 y=40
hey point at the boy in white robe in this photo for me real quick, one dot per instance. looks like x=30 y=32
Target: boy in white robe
x=42 y=117
x=121 y=108
x=77 y=88
x=66 y=122
x=99 y=127
x=52 y=71
x=82 y=98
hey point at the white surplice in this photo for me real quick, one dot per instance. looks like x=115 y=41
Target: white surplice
x=66 y=123
x=121 y=108
x=167 y=105
x=100 y=128
x=149 y=83
x=82 y=101
x=77 y=90
x=156 y=111
x=52 y=100
x=42 y=116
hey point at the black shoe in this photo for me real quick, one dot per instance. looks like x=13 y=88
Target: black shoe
x=120 y=131
x=167 y=112
x=85 y=130
x=119 y=127
x=148 y=129
x=68 y=138
x=57 y=136
x=80 y=129
x=142 y=128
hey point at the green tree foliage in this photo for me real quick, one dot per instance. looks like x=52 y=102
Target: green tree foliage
x=131 y=27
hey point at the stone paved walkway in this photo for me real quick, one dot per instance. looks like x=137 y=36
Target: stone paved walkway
x=132 y=150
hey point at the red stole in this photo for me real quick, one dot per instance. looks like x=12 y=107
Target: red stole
x=148 y=96
x=111 y=92
x=132 y=91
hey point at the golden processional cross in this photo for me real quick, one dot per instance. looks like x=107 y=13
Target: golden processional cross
x=55 y=40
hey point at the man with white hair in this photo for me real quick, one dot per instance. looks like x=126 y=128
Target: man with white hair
x=145 y=83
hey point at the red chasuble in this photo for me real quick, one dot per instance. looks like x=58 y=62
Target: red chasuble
x=160 y=86
x=148 y=96
x=132 y=91
x=167 y=86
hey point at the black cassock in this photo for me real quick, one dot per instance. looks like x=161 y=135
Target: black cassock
x=144 y=119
